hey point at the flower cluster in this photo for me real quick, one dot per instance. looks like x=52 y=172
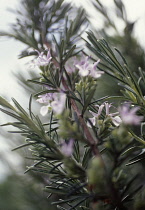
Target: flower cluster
x=85 y=68
x=125 y=115
x=113 y=116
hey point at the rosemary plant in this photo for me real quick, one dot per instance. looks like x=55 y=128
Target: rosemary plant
x=91 y=149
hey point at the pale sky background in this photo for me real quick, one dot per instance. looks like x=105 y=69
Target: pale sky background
x=10 y=49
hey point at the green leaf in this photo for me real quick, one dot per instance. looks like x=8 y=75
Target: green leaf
x=69 y=53
x=23 y=145
x=67 y=200
x=131 y=149
x=88 y=100
x=86 y=158
x=55 y=190
x=133 y=80
x=6 y=104
x=135 y=161
x=121 y=55
x=76 y=152
x=11 y=114
x=137 y=138
x=127 y=87
x=100 y=99
x=40 y=124
x=61 y=208
x=19 y=107
x=78 y=203
x=129 y=184
x=30 y=110
x=38 y=82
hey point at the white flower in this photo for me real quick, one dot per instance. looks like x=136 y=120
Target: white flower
x=116 y=120
x=44 y=109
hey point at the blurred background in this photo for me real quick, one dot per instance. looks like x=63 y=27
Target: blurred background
x=123 y=27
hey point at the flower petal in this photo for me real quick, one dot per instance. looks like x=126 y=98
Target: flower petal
x=44 y=110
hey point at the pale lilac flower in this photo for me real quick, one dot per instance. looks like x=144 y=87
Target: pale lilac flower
x=43 y=60
x=93 y=119
x=45 y=98
x=81 y=62
x=100 y=109
x=114 y=116
x=129 y=116
x=70 y=69
x=116 y=120
x=67 y=147
x=52 y=101
x=107 y=107
x=93 y=72
x=87 y=69
x=59 y=103
x=82 y=66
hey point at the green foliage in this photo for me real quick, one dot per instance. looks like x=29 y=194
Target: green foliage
x=122 y=37
x=132 y=90
x=19 y=193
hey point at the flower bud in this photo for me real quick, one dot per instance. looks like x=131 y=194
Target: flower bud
x=96 y=174
x=122 y=135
